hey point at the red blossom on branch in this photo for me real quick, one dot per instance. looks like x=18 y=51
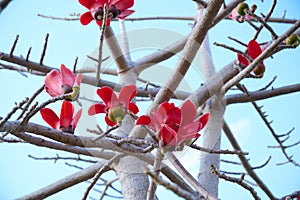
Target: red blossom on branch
x=63 y=82
x=116 y=9
x=115 y=107
x=175 y=125
x=253 y=52
x=66 y=122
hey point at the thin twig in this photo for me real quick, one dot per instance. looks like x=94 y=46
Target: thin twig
x=103 y=28
x=99 y=173
x=177 y=190
x=35 y=109
x=57 y=157
x=106 y=132
x=245 y=162
x=187 y=18
x=107 y=185
x=157 y=164
x=9 y=115
x=30 y=101
x=266 y=18
x=13 y=46
x=44 y=49
x=239 y=181
x=212 y=151
x=180 y=168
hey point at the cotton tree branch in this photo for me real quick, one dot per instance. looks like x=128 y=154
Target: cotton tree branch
x=175 y=162
x=4 y=4
x=57 y=157
x=230 y=6
x=125 y=43
x=102 y=170
x=66 y=182
x=117 y=54
x=236 y=180
x=160 y=55
x=175 y=188
x=245 y=163
x=85 y=79
x=260 y=58
x=212 y=151
x=261 y=94
x=190 y=49
x=14 y=128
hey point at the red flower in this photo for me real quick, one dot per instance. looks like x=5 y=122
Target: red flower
x=63 y=82
x=116 y=9
x=66 y=122
x=254 y=51
x=115 y=107
x=175 y=125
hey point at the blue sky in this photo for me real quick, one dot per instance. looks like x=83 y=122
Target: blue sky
x=21 y=175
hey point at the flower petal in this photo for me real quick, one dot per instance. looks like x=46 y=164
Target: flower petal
x=143 y=120
x=203 y=119
x=67 y=75
x=162 y=110
x=66 y=114
x=125 y=13
x=76 y=119
x=100 y=22
x=169 y=136
x=53 y=83
x=78 y=80
x=107 y=95
x=133 y=108
x=174 y=116
x=97 y=108
x=244 y=61
x=254 y=49
x=122 y=4
x=50 y=117
x=86 y=18
x=87 y=3
x=109 y=122
x=188 y=112
x=183 y=135
x=157 y=121
x=126 y=94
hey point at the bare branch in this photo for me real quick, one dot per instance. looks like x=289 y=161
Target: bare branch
x=261 y=94
x=212 y=151
x=245 y=162
x=65 y=182
x=57 y=157
x=175 y=188
x=236 y=180
x=44 y=49
x=102 y=170
x=175 y=162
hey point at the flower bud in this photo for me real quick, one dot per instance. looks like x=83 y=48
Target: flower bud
x=242 y=9
x=259 y=70
x=98 y=14
x=117 y=114
x=293 y=40
x=253 y=8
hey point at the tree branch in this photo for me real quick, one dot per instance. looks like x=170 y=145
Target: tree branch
x=261 y=94
x=66 y=182
x=245 y=162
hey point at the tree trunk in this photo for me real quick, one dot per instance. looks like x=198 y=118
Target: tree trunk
x=212 y=134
